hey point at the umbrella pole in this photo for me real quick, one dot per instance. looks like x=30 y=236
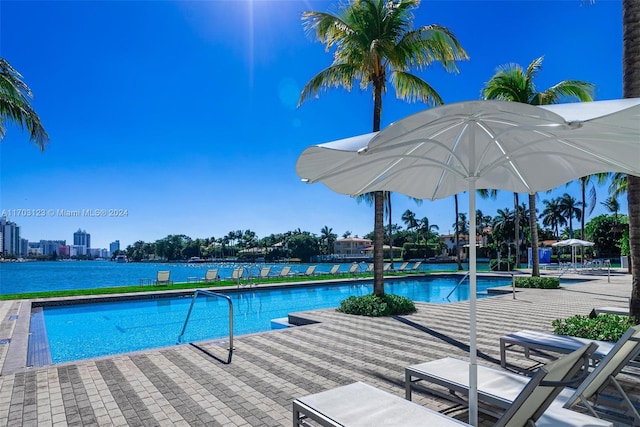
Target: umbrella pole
x=473 y=366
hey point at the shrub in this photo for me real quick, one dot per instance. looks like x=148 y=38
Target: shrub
x=376 y=306
x=603 y=327
x=538 y=282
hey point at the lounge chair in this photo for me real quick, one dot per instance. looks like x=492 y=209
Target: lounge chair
x=403 y=266
x=163 y=278
x=210 y=276
x=353 y=269
x=237 y=274
x=538 y=341
x=369 y=268
x=359 y=404
x=386 y=267
x=416 y=266
x=309 y=271
x=334 y=269
x=264 y=273
x=498 y=388
x=285 y=272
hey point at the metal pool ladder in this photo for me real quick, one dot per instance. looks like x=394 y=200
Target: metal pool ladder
x=199 y=292
x=459 y=283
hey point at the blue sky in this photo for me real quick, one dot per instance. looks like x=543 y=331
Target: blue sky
x=183 y=113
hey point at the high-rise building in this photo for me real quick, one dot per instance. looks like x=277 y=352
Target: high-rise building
x=50 y=247
x=114 y=246
x=9 y=237
x=82 y=238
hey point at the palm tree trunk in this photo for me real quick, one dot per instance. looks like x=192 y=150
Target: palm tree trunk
x=455 y=198
x=583 y=181
x=533 y=225
x=631 y=89
x=378 y=222
x=516 y=218
x=390 y=229
x=378 y=240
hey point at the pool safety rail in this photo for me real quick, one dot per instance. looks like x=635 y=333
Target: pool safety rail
x=459 y=283
x=196 y=294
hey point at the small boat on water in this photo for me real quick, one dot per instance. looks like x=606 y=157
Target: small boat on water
x=195 y=260
x=121 y=259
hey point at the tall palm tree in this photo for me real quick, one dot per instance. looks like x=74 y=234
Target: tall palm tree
x=612 y=206
x=462 y=228
x=409 y=219
x=513 y=83
x=570 y=208
x=328 y=237
x=503 y=223
x=15 y=105
x=552 y=215
x=375 y=43
x=426 y=230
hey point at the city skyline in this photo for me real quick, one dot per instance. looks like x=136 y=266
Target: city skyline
x=170 y=117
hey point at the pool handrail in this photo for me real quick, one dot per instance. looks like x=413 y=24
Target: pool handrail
x=459 y=283
x=196 y=293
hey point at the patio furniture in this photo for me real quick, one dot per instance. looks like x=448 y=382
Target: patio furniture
x=163 y=277
x=210 y=276
x=498 y=388
x=359 y=404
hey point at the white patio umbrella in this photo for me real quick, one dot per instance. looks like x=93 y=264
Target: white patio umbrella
x=476 y=145
x=573 y=243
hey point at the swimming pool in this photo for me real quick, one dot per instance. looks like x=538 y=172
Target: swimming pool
x=88 y=330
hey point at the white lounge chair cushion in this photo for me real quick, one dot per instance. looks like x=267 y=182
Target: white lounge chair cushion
x=503 y=386
x=360 y=405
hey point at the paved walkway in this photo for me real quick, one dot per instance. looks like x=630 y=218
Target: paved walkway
x=183 y=386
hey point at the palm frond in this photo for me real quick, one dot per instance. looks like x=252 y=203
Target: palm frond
x=411 y=88
x=15 y=105
x=340 y=75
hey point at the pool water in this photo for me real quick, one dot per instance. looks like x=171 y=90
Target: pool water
x=81 y=331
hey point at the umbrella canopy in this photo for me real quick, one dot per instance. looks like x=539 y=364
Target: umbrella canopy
x=573 y=242
x=481 y=144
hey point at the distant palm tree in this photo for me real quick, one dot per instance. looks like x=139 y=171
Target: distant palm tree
x=513 y=83
x=15 y=105
x=328 y=237
x=612 y=206
x=552 y=215
x=409 y=219
x=346 y=234
x=482 y=222
x=570 y=208
x=503 y=224
x=427 y=230
x=375 y=43
x=462 y=228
